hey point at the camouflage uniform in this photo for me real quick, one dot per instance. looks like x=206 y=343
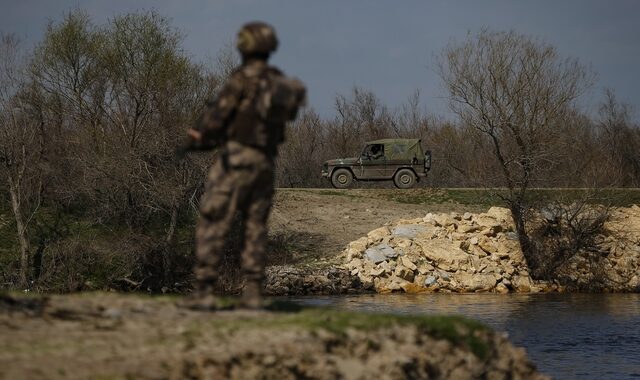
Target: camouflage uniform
x=242 y=179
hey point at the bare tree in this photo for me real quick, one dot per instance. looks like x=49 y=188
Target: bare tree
x=514 y=91
x=19 y=147
x=620 y=139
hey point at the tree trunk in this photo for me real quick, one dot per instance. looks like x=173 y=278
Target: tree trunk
x=172 y=225
x=518 y=216
x=22 y=233
x=166 y=252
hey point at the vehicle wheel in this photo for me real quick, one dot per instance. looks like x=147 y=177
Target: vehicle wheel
x=341 y=178
x=404 y=179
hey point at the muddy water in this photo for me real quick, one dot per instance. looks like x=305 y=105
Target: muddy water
x=568 y=336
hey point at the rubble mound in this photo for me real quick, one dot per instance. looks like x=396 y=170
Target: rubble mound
x=479 y=253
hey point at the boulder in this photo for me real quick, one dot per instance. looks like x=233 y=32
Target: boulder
x=443 y=254
x=355 y=263
x=404 y=273
x=501 y=214
x=378 y=234
x=467 y=228
x=353 y=253
x=469 y=282
x=431 y=280
x=429 y=218
x=488 y=246
x=445 y=220
x=485 y=221
x=501 y=288
x=389 y=284
x=360 y=244
x=408 y=263
x=425 y=268
x=522 y=284
x=401 y=242
x=412 y=288
x=380 y=253
x=409 y=230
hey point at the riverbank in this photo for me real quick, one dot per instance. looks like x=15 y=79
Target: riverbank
x=309 y=228
x=583 y=336
x=101 y=335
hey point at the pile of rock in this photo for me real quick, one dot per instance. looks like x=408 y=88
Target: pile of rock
x=287 y=280
x=464 y=253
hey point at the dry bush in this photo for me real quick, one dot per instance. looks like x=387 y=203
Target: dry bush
x=565 y=236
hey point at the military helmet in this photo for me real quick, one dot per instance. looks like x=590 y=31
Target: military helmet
x=257 y=38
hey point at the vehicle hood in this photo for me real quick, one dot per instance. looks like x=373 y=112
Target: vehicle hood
x=342 y=161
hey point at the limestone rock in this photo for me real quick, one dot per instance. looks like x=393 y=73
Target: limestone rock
x=501 y=214
x=485 y=247
x=501 y=288
x=425 y=268
x=412 y=288
x=522 y=283
x=409 y=230
x=380 y=253
x=378 y=234
x=467 y=228
x=444 y=220
x=358 y=245
x=353 y=253
x=408 y=263
x=429 y=281
x=401 y=242
x=475 y=282
x=485 y=221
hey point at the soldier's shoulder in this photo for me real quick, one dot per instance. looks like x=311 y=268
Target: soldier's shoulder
x=274 y=70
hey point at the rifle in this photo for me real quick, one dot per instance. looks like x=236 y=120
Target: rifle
x=190 y=145
x=195 y=143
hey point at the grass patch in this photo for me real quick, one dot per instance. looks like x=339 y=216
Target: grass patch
x=492 y=197
x=459 y=330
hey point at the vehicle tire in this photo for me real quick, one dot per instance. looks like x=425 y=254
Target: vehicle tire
x=341 y=178
x=404 y=179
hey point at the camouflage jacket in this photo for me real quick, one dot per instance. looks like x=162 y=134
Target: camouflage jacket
x=233 y=114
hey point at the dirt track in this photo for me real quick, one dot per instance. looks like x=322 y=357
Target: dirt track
x=318 y=223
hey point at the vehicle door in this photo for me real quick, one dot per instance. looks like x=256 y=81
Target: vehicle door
x=372 y=162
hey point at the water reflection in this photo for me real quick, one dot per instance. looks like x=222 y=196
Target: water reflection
x=581 y=336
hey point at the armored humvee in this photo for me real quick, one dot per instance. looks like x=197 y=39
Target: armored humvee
x=400 y=160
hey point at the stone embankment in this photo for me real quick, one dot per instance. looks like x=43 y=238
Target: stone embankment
x=481 y=253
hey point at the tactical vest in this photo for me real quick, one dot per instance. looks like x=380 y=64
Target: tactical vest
x=268 y=101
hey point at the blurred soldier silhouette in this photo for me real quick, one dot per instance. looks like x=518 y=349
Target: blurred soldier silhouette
x=246 y=122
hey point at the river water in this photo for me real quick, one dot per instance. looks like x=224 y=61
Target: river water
x=568 y=336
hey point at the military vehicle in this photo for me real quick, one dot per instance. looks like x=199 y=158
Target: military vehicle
x=400 y=160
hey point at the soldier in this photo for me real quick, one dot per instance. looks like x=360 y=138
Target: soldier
x=246 y=121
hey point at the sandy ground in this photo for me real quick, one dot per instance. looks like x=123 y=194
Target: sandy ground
x=321 y=222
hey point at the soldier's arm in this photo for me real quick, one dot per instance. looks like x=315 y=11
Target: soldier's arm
x=212 y=124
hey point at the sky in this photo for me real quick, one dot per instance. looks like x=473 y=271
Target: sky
x=386 y=46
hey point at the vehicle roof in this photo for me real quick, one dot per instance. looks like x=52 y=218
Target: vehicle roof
x=400 y=149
